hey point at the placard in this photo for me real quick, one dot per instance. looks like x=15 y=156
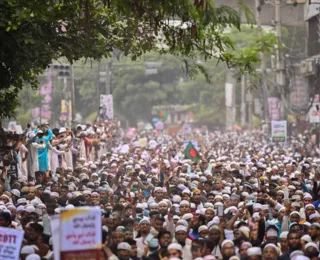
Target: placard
x=55 y=232
x=279 y=131
x=143 y=142
x=106 y=107
x=80 y=233
x=10 y=243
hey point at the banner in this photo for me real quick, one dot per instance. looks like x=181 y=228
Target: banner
x=106 y=107
x=80 y=233
x=274 y=106
x=55 y=231
x=186 y=129
x=314 y=111
x=10 y=243
x=279 y=131
x=66 y=110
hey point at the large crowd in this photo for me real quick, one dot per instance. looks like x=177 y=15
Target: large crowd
x=246 y=198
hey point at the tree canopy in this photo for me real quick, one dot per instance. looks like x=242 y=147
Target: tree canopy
x=33 y=33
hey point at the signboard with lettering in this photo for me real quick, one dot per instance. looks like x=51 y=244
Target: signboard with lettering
x=279 y=131
x=10 y=243
x=80 y=233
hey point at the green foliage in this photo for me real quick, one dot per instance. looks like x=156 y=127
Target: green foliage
x=35 y=32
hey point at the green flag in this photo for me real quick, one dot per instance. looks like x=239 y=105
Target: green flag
x=191 y=153
x=163 y=115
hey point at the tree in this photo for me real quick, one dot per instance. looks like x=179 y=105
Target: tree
x=135 y=93
x=33 y=33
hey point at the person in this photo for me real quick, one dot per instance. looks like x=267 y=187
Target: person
x=175 y=251
x=293 y=243
x=244 y=198
x=227 y=249
x=270 y=252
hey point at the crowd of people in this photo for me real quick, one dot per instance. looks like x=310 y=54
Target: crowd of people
x=245 y=199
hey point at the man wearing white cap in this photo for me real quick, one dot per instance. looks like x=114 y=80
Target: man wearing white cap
x=181 y=238
x=254 y=253
x=175 y=251
x=270 y=252
x=227 y=249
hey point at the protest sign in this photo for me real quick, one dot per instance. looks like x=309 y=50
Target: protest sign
x=10 y=243
x=106 y=107
x=143 y=142
x=80 y=233
x=279 y=131
x=55 y=229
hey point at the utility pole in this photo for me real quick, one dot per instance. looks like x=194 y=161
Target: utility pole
x=73 y=102
x=243 y=102
x=249 y=100
x=108 y=76
x=258 y=5
x=280 y=68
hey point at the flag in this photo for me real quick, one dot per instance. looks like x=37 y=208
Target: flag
x=191 y=153
x=163 y=116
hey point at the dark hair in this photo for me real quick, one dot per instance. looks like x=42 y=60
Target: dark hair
x=208 y=182
x=130 y=241
x=6 y=216
x=154 y=213
x=294 y=232
x=64 y=187
x=160 y=218
x=164 y=232
x=118 y=207
x=127 y=221
x=200 y=242
x=37 y=228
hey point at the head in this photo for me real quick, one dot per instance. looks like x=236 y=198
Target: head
x=164 y=238
x=33 y=231
x=198 y=248
x=209 y=214
x=227 y=248
x=5 y=219
x=294 y=240
x=270 y=252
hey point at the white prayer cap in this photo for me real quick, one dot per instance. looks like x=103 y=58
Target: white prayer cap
x=124 y=246
x=175 y=246
x=309 y=206
x=273 y=246
x=15 y=192
x=70 y=206
x=184 y=202
x=187 y=216
x=202 y=228
x=284 y=234
x=183 y=222
x=311 y=244
x=30 y=209
x=27 y=250
x=33 y=257
x=294 y=212
x=271 y=233
x=181 y=228
x=226 y=241
x=306 y=238
x=254 y=251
